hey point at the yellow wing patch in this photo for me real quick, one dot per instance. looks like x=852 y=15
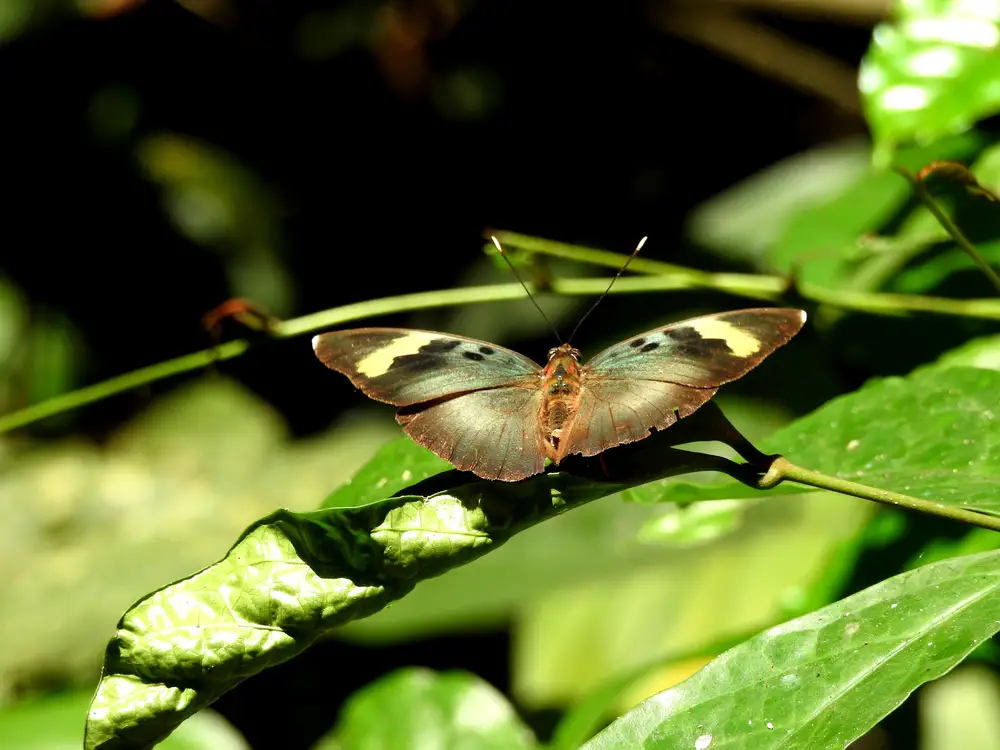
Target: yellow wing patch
x=379 y=361
x=740 y=343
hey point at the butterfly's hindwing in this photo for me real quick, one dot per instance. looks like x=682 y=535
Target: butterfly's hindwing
x=492 y=433
x=404 y=367
x=613 y=412
x=701 y=352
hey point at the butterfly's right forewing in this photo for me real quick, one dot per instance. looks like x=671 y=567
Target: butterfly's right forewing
x=703 y=352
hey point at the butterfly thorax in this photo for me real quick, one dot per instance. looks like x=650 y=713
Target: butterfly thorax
x=560 y=397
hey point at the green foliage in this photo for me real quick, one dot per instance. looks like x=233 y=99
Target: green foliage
x=720 y=601
x=435 y=711
x=56 y=723
x=218 y=202
x=870 y=436
x=929 y=71
x=824 y=679
x=104 y=525
x=293 y=577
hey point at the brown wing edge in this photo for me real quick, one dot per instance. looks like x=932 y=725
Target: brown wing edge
x=621 y=430
x=422 y=422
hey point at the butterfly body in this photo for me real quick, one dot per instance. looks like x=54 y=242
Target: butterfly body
x=561 y=391
x=498 y=414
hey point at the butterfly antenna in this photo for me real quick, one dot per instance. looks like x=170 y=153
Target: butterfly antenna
x=530 y=296
x=605 y=294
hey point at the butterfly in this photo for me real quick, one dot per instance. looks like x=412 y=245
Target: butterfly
x=498 y=414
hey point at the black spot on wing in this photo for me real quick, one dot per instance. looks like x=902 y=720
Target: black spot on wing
x=473 y=356
x=427 y=358
x=636 y=343
x=414 y=364
x=650 y=347
x=438 y=346
x=689 y=343
x=487 y=350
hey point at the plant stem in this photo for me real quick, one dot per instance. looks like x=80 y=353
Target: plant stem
x=760 y=286
x=950 y=227
x=756 y=286
x=119 y=384
x=663 y=277
x=885 y=303
x=327 y=318
x=783 y=470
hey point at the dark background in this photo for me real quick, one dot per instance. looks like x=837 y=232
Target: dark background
x=598 y=127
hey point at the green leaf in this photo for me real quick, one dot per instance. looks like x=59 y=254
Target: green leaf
x=618 y=692
x=824 y=679
x=573 y=639
x=982 y=352
x=931 y=434
x=746 y=219
x=930 y=72
x=825 y=242
x=973 y=541
x=425 y=710
x=293 y=578
x=164 y=497
x=397 y=464
x=583 y=719
x=812 y=212
x=694 y=525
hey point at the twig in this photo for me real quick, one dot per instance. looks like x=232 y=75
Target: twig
x=950 y=226
x=783 y=470
x=665 y=277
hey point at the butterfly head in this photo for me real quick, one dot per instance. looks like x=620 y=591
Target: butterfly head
x=564 y=349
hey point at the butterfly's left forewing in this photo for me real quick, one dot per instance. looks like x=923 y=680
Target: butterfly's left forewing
x=473 y=403
x=402 y=366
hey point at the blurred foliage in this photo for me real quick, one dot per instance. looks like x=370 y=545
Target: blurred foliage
x=958 y=711
x=55 y=722
x=420 y=708
x=40 y=351
x=824 y=679
x=615 y=601
x=219 y=203
x=103 y=525
x=929 y=71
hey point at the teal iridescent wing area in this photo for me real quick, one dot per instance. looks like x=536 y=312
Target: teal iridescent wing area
x=701 y=352
x=492 y=433
x=404 y=367
x=652 y=380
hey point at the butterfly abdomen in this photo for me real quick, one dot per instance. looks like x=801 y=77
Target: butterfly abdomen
x=560 y=401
